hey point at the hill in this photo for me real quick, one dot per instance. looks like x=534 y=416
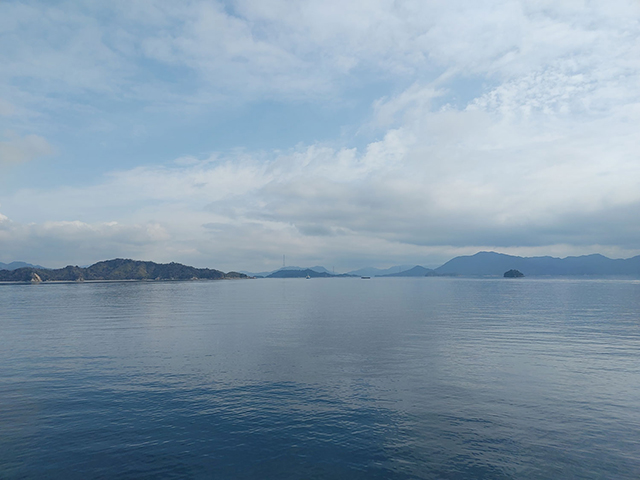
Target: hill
x=308 y=272
x=17 y=265
x=376 y=272
x=118 y=269
x=417 y=271
x=492 y=263
x=317 y=268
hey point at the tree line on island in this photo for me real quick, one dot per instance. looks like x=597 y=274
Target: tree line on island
x=118 y=269
x=481 y=264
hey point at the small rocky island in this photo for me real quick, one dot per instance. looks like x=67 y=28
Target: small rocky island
x=513 y=274
x=118 y=269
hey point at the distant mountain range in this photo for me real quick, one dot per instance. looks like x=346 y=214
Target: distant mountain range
x=496 y=264
x=480 y=264
x=417 y=271
x=492 y=263
x=16 y=265
x=118 y=269
x=317 y=269
x=375 y=272
x=368 y=271
x=308 y=272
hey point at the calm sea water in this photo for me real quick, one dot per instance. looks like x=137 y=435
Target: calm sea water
x=430 y=378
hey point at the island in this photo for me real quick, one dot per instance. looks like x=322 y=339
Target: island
x=306 y=273
x=513 y=274
x=117 y=269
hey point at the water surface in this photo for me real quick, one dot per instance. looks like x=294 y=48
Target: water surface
x=435 y=378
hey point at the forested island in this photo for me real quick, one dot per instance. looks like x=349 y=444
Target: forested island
x=513 y=274
x=118 y=269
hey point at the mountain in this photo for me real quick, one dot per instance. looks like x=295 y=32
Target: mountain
x=118 y=269
x=255 y=274
x=320 y=269
x=378 y=272
x=492 y=263
x=417 y=271
x=304 y=273
x=298 y=274
x=16 y=265
x=317 y=269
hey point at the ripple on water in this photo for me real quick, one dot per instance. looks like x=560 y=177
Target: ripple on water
x=392 y=378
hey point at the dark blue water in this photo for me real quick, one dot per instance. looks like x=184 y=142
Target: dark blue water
x=325 y=378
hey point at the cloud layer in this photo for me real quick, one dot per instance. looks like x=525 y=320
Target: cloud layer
x=507 y=125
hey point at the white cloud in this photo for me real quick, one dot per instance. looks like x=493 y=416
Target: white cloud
x=250 y=49
x=16 y=149
x=541 y=152
x=445 y=181
x=60 y=47
x=58 y=243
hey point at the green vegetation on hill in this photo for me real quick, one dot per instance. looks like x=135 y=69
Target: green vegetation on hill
x=118 y=269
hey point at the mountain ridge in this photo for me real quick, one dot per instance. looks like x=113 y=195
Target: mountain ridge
x=484 y=263
x=308 y=272
x=117 y=269
x=316 y=268
x=493 y=263
x=417 y=271
x=17 y=265
x=375 y=272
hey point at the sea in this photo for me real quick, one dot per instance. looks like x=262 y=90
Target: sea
x=387 y=378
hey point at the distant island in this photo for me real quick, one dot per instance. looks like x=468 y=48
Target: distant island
x=118 y=269
x=283 y=273
x=513 y=274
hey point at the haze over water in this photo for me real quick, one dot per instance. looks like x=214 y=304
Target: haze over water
x=325 y=378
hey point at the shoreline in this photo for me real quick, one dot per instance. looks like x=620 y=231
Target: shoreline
x=124 y=280
x=459 y=277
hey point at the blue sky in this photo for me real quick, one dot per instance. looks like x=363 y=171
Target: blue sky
x=226 y=134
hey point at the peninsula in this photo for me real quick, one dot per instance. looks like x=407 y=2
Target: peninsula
x=117 y=269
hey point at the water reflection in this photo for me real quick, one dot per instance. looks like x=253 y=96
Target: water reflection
x=397 y=378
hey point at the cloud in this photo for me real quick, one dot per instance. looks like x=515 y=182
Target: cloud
x=17 y=149
x=446 y=181
x=302 y=49
x=503 y=124
x=58 y=243
x=4 y=222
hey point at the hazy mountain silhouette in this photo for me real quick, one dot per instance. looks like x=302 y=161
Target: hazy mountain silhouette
x=417 y=271
x=303 y=273
x=17 y=265
x=492 y=263
x=375 y=272
x=317 y=268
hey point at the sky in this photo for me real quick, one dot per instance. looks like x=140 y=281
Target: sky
x=226 y=134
